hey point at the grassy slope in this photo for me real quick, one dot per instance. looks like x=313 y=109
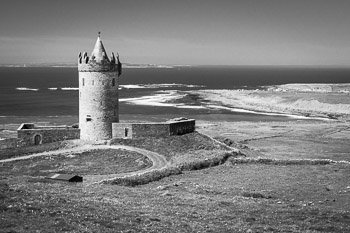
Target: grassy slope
x=293 y=198
x=188 y=147
x=227 y=198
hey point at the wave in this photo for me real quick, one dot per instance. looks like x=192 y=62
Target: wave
x=70 y=88
x=131 y=86
x=161 y=99
x=26 y=89
x=161 y=85
x=63 y=88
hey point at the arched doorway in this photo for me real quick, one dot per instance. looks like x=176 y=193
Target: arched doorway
x=37 y=139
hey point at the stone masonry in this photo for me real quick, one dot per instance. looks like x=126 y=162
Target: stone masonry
x=152 y=129
x=28 y=134
x=98 y=93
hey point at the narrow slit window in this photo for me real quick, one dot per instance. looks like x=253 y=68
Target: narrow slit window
x=83 y=82
x=88 y=118
x=93 y=82
x=113 y=82
x=126 y=131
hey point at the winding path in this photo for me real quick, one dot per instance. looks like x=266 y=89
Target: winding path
x=158 y=161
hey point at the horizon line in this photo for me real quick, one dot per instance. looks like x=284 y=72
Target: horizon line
x=151 y=65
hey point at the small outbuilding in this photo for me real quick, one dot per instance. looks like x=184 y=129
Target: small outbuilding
x=65 y=177
x=177 y=126
x=29 y=134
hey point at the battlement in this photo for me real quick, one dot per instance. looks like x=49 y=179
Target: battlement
x=86 y=65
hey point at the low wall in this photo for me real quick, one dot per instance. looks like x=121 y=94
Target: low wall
x=182 y=127
x=8 y=143
x=122 y=130
x=36 y=136
x=152 y=129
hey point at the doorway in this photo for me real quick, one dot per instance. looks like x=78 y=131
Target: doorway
x=37 y=139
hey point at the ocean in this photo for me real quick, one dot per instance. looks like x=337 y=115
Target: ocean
x=33 y=93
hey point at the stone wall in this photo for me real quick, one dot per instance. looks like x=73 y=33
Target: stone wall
x=98 y=104
x=29 y=137
x=122 y=130
x=182 y=127
x=8 y=143
x=153 y=129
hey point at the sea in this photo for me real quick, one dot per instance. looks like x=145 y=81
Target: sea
x=50 y=94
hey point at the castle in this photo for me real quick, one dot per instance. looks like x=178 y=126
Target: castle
x=98 y=93
x=98 y=109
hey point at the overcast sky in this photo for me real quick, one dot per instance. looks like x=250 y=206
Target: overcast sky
x=242 y=32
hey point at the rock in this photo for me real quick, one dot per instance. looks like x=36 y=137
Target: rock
x=166 y=193
x=162 y=187
x=154 y=219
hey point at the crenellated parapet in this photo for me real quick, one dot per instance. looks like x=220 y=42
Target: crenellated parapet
x=87 y=64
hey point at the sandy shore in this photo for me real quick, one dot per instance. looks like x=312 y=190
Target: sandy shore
x=311 y=100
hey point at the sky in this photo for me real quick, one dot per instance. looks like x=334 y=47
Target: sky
x=182 y=32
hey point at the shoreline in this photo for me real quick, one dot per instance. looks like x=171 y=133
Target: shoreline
x=319 y=101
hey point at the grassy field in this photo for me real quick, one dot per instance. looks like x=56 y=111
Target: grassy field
x=93 y=162
x=231 y=197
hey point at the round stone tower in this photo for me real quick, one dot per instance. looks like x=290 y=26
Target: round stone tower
x=98 y=93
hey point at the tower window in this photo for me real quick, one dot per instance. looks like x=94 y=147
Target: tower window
x=126 y=132
x=93 y=82
x=88 y=118
x=83 y=82
x=113 y=82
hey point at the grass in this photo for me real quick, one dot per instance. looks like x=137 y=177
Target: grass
x=20 y=151
x=221 y=199
x=175 y=145
x=256 y=196
x=94 y=162
x=284 y=161
x=174 y=169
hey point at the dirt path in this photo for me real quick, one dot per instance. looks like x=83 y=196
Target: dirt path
x=158 y=161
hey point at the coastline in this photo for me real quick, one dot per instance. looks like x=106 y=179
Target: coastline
x=306 y=101
x=288 y=102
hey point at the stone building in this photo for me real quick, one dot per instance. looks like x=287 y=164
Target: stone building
x=153 y=129
x=98 y=93
x=29 y=134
